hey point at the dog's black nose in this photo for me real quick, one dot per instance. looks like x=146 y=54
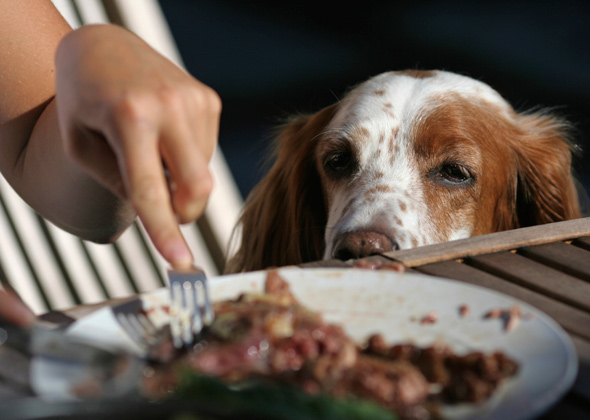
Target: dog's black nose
x=359 y=244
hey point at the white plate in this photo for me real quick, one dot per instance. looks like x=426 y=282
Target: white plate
x=392 y=303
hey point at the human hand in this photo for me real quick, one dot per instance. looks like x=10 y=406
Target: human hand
x=13 y=310
x=126 y=115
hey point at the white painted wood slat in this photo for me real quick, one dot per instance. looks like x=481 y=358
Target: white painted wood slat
x=52 y=269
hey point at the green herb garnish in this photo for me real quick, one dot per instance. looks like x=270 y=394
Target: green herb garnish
x=269 y=401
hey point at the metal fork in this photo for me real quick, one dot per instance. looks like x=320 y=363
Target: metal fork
x=190 y=305
x=137 y=324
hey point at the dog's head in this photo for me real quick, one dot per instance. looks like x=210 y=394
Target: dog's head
x=406 y=159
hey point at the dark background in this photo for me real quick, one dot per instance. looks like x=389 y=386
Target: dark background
x=269 y=59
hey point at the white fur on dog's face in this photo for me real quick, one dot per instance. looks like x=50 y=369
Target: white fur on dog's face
x=386 y=169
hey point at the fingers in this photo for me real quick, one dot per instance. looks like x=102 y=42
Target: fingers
x=128 y=161
x=147 y=187
x=187 y=149
x=13 y=310
x=205 y=114
x=191 y=184
x=136 y=118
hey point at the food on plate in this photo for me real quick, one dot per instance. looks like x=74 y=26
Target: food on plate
x=429 y=318
x=511 y=317
x=270 y=338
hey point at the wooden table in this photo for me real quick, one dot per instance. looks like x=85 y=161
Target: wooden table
x=546 y=266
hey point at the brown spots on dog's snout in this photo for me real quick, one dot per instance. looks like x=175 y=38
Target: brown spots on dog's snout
x=379 y=92
x=391 y=147
x=348 y=206
x=371 y=193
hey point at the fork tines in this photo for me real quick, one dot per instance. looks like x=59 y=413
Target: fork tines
x=136 y=323
x=190 y=306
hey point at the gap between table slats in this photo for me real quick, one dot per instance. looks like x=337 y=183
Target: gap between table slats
x=564 y=257
x=582 y=242
x=536 y=276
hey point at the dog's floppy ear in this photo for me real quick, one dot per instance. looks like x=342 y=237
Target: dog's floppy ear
x=283 y=220
x=545 y=189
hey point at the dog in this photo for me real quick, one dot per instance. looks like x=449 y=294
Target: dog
x=405 y=159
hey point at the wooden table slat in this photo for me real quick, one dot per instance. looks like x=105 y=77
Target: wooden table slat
x=571 y=319
x=568 y=258
x=582 y=242
x=536 y=276
x=500 y=241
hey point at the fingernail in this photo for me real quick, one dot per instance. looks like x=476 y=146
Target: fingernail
x=177 y=253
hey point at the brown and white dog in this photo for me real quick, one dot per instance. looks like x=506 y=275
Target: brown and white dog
x=405 y=159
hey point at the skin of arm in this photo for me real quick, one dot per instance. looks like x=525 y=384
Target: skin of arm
x=32 y=156
x=92 y=156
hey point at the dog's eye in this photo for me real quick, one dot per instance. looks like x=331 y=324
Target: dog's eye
x=454 y=173
x=339 y=163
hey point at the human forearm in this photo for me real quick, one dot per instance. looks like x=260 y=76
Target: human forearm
x=61 y=190
x=32 y=156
